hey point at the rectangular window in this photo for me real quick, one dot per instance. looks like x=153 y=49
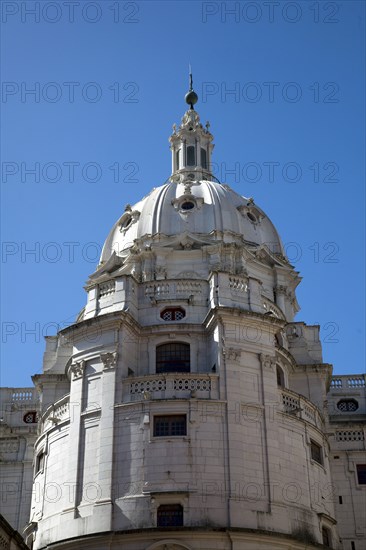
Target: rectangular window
x=191 y=157
x=177 y=159
x=326 y=536
x=316 y=452
x=361 y=474
x=203 y=159
x=173 y=357
x=39 y=462
x=170 y=425
x=170 y=515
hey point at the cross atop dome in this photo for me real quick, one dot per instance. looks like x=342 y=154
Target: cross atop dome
x=191 y=143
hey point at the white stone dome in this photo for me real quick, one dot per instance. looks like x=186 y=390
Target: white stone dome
x=201 y=208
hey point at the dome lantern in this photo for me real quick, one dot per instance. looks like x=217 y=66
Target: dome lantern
x=191 y=143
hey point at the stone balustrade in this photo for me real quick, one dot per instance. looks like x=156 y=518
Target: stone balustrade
x=184 y=289
x=300 y=407
x=12 y=399
x=19 y=395
x=170 y=386
x=348 y=382
x=56 y=413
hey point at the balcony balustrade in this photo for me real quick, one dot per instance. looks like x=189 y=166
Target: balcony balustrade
x=170 y=386
x=299 y=407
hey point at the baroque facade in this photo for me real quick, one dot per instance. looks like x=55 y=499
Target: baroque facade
x=186 y=408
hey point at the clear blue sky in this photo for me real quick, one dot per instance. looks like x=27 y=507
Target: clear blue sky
x=109 y=80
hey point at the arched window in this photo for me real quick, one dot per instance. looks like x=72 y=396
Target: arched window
x=174 y=357
x=191 y=157
x=280 y=377
x=170 y=515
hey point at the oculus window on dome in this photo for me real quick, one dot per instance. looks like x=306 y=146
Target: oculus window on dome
x=252 y=217
x=187 y=205
x=126 y=222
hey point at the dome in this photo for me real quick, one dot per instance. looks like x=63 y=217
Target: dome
x=201 y=208
x=191 y=203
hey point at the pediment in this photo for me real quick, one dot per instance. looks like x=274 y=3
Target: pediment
x=114 y=262
x=266 y=256
x=185 y=241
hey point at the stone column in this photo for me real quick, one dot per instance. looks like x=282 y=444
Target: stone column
x=280 y=297
x=268 y=371
x=76 y=395
x=102 y=514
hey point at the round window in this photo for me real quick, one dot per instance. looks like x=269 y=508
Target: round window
x=126 y=222
x=187 y=205
x=173 y=314
x=30 y=417
x=347 y=405
x=251 y=217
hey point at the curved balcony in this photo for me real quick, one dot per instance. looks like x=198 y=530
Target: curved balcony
x=173 y=385
x=271 y=308
x=56 y=413
x=299 y=407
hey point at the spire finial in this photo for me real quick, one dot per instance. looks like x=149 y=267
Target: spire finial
x=191 y=96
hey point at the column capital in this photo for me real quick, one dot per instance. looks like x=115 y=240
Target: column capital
x=109 y=360
x=77 y=368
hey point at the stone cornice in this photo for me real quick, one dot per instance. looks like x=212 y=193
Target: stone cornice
x=251 y=316
x=180 y=535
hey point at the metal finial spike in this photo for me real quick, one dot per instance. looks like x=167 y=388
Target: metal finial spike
x=191 y=96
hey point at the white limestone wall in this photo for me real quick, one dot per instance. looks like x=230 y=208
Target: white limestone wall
x=17 y=437
x=245 y=460
x=349 y=497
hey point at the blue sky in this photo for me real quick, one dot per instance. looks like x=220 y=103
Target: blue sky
x=282 y=84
